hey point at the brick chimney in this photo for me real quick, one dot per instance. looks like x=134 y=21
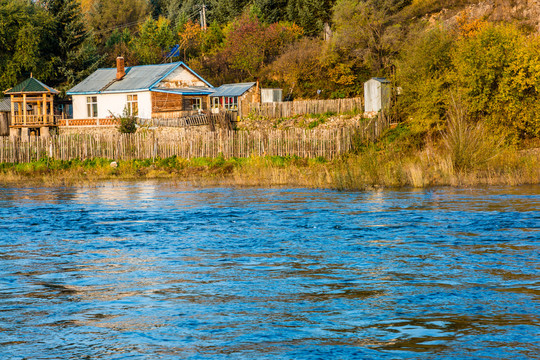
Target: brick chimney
x=120 y=70
x=258 y=95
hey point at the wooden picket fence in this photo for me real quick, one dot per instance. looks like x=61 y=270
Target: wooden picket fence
x=292 y=108
x=224 y=119
x=304 y=143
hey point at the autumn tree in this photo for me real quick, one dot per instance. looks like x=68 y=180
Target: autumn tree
x=189 y=39
x=498 y=71
x=249 y=44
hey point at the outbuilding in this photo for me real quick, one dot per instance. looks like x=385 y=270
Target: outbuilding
x=377 y=95
x=236 y=97
x=5 y=116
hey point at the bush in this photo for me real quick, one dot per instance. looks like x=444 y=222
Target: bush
x=127 y=122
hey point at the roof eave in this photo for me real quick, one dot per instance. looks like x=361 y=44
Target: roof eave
x=71 y=93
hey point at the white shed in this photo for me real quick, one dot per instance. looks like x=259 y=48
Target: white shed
x=377 y=94
x=271 y=95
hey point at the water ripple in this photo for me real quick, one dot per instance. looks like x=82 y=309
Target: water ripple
x=149 y=270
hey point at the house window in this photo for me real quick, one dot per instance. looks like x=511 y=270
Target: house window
x=91 y=106
x=132 y=105
x=231 y=103
x=215 y=102
x=196 y=103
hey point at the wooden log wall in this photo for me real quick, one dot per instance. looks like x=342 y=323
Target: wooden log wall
x=304 y=143
x=166 y=102
x=4 y=123
x=292 y=108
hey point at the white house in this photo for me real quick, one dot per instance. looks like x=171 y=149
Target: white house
x=148 y=91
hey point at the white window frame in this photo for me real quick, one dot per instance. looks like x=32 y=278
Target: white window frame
x=231 y=103
x=196 y=103
x=132 y=104
x=215 y=103
x=92 y=106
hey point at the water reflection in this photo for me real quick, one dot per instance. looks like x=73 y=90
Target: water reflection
x=159 y=271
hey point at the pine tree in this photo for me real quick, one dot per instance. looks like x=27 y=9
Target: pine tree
x=71 y=45
x=310 y=14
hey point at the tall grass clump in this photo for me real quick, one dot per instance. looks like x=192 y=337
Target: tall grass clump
x=467 y=145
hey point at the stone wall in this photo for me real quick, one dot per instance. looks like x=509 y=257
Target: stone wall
x=160 y=132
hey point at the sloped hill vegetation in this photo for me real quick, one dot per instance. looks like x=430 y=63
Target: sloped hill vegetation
x=482 y=55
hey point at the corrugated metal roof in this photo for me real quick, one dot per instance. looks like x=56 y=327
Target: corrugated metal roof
x=233 y=89
x=381 y=80
x=5 y=105
x=31 y=85
x=137 y=78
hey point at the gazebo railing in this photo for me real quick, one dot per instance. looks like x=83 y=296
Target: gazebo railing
x=34 y=120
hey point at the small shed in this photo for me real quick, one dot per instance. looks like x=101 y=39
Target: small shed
x=236 y=97
x=32 y=106
x=271 y=95
x=5 y=115
x=377 y=95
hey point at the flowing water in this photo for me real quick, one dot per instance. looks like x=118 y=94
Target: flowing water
x=156 y=271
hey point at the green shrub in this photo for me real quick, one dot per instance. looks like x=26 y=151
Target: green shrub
x=127 y=122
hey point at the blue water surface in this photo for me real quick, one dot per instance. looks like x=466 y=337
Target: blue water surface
x=151 y=270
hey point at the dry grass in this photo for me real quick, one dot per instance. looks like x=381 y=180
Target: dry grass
x=388 y=167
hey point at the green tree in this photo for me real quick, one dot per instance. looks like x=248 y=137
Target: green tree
x=272 y=11
x=424 y=72
x=362 y=33
x=105 y=16
x=70 y=43
x=310 y=14
x=24 y=32
x=154 y=39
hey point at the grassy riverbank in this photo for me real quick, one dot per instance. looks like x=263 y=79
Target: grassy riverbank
x=399 y=159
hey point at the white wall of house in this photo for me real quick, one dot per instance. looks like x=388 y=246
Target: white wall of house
x=112 y=103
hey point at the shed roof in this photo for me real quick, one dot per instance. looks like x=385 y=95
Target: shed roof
x=233 y=89
x=381 y=80
x=5 y=105
x=31 y=85
x=137 y=78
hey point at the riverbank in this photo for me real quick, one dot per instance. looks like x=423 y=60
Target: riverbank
x=462 y=156
x=367 y=169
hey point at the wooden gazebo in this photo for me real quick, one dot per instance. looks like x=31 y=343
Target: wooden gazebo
x=32 y=106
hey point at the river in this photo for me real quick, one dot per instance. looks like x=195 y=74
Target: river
x=152 y=270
